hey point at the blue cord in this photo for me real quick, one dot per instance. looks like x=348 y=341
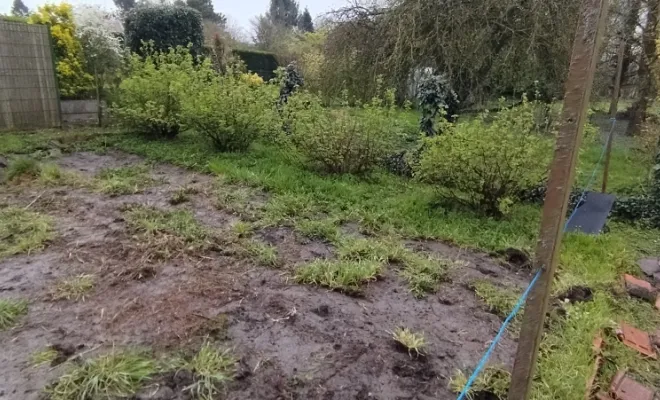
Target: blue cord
x=521 y=300
x=486 y=356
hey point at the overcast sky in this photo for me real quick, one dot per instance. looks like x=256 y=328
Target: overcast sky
x=240 y=12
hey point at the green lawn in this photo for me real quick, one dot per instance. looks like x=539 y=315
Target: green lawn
x=389 y=206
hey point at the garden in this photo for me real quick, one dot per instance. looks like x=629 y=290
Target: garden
x=229 y=236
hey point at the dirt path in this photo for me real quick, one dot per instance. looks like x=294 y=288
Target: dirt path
x=293 y=341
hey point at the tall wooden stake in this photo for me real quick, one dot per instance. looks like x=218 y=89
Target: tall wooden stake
x=613 y=109
x=576 y=100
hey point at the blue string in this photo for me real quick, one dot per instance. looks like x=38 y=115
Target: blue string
x=523 y=298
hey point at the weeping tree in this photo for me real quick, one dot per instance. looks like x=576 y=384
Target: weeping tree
x=475 y=44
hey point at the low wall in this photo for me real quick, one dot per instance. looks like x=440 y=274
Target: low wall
x=80 y=111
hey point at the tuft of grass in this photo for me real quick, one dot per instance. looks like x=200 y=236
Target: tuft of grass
x=114 y=375
x=344 y=276
x=74 y=288
x=242 y=229
x=499 y=301
x=237 y=200
x=124 y=180
x=179 y=197
x=41 y=357
x=11 y=311
x=493 y=381
x=154 y=222
x=325 y=229
x=23 y=231
x=265 y=254
x=423 y=274
x=363 y=250
x=409 y=340
x=212 y=369
x=22 y=167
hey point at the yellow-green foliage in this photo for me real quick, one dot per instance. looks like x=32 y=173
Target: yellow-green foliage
x=232 y=112
x=343 y=140
x=494 y=380
x=10 y=311
x=411 y=341
x=213 y=369
x=485 y=163
x=69 y=60
x=346 y=276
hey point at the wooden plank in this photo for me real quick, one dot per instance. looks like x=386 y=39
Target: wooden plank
x=574 y=115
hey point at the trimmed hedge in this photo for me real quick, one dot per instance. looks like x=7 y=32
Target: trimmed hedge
x=261 y=63
x=167 y=26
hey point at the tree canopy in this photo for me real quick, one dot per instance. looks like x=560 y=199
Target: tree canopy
x=305 y=22
x=19 y=9
x=283 y=12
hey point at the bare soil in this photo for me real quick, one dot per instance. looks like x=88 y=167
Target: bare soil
x=293 y=341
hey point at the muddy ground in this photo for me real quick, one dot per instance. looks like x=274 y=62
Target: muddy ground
x=293 y=341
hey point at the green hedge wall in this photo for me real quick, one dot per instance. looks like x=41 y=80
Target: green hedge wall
x=168 y=26
x=261 y=63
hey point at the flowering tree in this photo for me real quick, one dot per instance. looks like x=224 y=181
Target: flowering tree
x=98 y=32
x=69 y=59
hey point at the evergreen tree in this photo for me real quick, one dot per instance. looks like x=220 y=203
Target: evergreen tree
x=305 y=22
x=284 y=13
x=124 y=5
x=19 y=9
x=206 y=8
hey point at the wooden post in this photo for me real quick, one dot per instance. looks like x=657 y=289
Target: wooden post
x=574 y=115
x=613 y=109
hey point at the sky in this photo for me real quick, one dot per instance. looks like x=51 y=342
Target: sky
x=240 y=12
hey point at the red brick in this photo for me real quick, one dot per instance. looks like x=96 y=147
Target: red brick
x=640 y=288
x=624 y=388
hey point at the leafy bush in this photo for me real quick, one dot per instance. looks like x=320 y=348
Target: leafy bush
x=343 y=140
x=436 y=99
x=149 y=99
x=166 y=26
x=486 y=164
x=230 y=111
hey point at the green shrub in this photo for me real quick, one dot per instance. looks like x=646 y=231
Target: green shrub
x=22 y=167
x=231 y=112
x=343 y=140
x=486 y=164
x=166 y=26
x=149 y=99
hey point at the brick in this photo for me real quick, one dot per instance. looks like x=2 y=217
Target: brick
x=624 y=388
x=636 y=339
x=640 y=288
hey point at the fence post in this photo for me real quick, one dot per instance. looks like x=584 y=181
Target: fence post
x=574 y=115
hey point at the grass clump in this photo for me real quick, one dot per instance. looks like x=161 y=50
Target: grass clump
x=212 y=369
x=423 y=273
x=23 y=231
x=492 y=381
x=11 y=311
x=22 y=168
x=344 y=276
x=264 y=254
x=41 y=357
x=242 y=229
x=114 y=375
x=182 y=195
x=154 y=222
x=74 y=288
x=409 y=340
x=499 y=301
x=124 y=180
x=325 y=229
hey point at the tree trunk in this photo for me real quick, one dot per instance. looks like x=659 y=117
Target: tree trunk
x=629 y=27
x=99 y=111
x=646 y=89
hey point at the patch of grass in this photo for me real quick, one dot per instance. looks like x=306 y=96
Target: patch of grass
x=114 y=375
x=181 y=195
x=154 y=222
x=493 y=380
x=74 y=288
x=212 y=368
x=242 y=229
x=125 y=180
x=23 y=231
x=41 y=357
x=237 y=200
x=423 y=274
x=500 y=301
x=265 y=254
x=324 y=229
x=344 y=276
x=167 y=232
x=22 y=168
x=363 y=249
x=409 y=340
x=11 y=311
